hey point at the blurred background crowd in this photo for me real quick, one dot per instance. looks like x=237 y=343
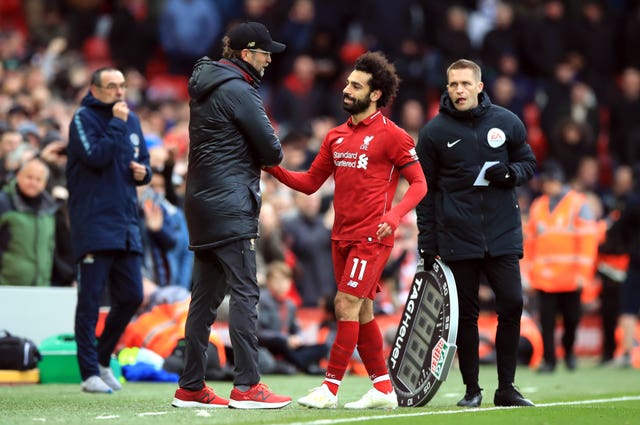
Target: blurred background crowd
x=570 y=69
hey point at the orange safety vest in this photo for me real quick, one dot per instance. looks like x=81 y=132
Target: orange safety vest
x=160 y=329
x=562 y=246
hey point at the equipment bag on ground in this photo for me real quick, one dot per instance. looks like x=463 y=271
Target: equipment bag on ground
x=17 y=353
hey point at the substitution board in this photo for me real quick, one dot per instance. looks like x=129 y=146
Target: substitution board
x=425 y=343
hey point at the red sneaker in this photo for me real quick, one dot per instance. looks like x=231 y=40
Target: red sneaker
x=258 y=396
x=203 y=398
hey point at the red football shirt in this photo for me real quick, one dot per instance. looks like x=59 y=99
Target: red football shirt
x=365 y=160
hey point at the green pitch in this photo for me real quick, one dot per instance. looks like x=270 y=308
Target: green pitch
x=590 y=395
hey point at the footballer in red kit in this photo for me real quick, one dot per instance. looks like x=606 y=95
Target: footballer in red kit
x=366 y=156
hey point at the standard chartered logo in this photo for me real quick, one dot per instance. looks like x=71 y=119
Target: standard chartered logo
x=363 y=161
x=350 y=160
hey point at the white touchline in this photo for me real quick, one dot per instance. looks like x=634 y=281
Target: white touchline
x=452 y=412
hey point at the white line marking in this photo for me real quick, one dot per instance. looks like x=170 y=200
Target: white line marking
x=453 y=412
x=108 y=417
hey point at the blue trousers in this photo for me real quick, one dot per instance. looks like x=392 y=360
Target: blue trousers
x=121 y=270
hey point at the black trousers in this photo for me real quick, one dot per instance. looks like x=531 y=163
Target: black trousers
x=229 y=268
x=550 y=304
x=503 y=275
x=610 y=307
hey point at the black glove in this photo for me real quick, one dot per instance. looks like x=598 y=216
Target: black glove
x=500 y=175
x=427 y=259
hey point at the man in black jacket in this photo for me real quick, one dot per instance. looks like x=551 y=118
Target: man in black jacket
x=474 y=154
x=231 y=139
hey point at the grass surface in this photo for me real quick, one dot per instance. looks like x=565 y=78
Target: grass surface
x=590 y=395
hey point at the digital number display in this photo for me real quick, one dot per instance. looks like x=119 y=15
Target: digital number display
x=425 y=337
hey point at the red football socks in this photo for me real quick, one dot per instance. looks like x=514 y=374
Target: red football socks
x=370 y=350
x=341 y=352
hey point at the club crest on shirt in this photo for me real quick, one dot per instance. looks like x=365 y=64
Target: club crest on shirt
x=496 y=137
x=135 y=142
x=365 y=145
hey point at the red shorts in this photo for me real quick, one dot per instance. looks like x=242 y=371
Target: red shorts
x=358 y=266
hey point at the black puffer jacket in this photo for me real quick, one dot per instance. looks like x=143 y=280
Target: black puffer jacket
x=456 y=219
x=231 y=139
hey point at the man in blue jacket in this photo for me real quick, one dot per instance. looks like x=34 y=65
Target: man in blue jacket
x=107 y=159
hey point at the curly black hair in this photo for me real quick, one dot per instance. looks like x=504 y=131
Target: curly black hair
x=383 y=75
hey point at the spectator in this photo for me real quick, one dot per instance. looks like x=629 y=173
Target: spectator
x=13 y=152
x=624 y=119
x=308 y=237
x=188 y=30
x=278 y=328
x=613 y=260
x=158 y=238
x=107 y=159
x=628 y=226
x=561 y=245
x=269 y=246
x=414 y=72
x=594 y=38
x=452 y=38
x=300 y=98
x=545 y=40
x=570 y=143
x=178 y=257
x=502 y=38
x=27 y=227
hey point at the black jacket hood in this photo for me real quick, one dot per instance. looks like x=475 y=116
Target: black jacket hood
x=209 y=74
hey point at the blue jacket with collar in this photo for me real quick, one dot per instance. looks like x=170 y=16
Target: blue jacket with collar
x=103 y=203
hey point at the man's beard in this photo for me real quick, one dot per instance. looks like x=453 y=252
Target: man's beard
x=358 y=105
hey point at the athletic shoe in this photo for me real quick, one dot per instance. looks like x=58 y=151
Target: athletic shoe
x=258 y=396
x=547 y=368
x=205 y=397
x=621 y=362
x=375 y=399
x=94 y=384
x=320 y=398
x=510 y=397
x=570 y=361
x=470 y=400
x=106 y=374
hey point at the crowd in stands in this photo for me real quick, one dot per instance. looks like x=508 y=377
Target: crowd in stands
x=570 y=69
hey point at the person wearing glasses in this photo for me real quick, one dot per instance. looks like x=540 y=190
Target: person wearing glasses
x=107 y=159
x=231 y=139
